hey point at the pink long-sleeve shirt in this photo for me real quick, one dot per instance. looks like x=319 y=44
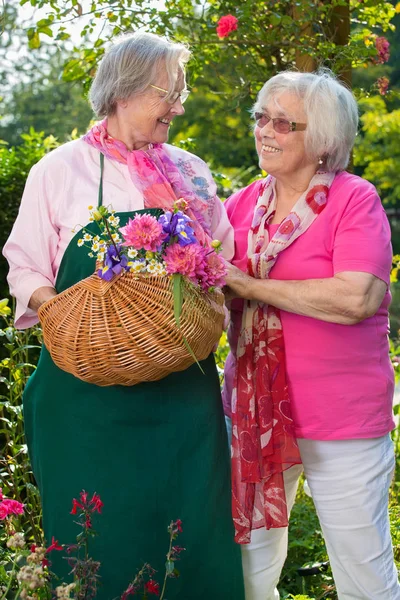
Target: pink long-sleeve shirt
x=58 y=191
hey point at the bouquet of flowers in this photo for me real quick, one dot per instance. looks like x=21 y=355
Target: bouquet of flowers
x=152 y=307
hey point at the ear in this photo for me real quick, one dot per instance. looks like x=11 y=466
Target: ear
x=121 y=103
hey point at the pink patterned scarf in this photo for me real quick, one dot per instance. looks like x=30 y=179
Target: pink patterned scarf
x=157 y=177
x=263 y=441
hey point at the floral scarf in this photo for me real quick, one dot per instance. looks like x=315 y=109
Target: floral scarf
x=263 y=440
x=156 y=176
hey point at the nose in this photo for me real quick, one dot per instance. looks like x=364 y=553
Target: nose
x=267 y=130
x=177 y=108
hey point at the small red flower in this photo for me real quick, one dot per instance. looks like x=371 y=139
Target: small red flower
x=96 y=503
x=178 y=525
x=226 y=25
x=75 y=506
x=152 y=587
x=54 y=545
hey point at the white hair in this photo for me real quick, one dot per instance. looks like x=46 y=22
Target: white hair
x=131 y=65
x=331 y=110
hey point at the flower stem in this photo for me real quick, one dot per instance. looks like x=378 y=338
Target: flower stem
x=111 y=237
x=166 y=572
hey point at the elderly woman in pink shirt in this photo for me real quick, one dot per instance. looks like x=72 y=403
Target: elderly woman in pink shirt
x=309 y=383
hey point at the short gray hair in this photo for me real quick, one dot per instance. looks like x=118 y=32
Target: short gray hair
x=130 y=65
x=331 y=109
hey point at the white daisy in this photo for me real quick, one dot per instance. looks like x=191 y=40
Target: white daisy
x=132 y=253
x=80 y=242
x=95 y=247
x=87 y=237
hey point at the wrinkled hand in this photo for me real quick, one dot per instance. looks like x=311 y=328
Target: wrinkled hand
x=238 y=284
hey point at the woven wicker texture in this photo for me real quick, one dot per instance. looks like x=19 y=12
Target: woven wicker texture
x=124 y=331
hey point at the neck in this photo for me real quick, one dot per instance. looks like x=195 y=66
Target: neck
x=123 y=133
x=290 y=188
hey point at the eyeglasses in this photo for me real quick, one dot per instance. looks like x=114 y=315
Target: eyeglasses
x=183 y=95
x=279 y=125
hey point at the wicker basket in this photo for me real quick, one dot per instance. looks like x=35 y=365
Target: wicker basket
x=124 y=332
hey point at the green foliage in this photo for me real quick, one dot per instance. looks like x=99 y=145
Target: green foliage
x=269 y=34
x=15 y=164
x=377 y=150
x=19 y=352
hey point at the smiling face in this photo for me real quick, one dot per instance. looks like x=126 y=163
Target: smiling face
x=283 y=155
x=147 y=117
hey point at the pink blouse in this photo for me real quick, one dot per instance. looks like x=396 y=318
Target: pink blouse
x=58 y=191
x=340 y=376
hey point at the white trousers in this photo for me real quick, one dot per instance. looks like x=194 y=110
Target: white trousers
x=349 y=481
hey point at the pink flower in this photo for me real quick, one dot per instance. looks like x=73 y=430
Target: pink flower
x=215 y=272
x=1 y=494
x=3 y=511
x=152 y=587
x=382 y=47
x=187 y=260
x=144 y=231
x=226 y=25
x=13 y=507
x=383 y=85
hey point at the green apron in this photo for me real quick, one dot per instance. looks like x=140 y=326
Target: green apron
x=154 y=452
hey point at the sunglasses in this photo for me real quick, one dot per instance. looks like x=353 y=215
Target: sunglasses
x=183 y=95
x=279 y=125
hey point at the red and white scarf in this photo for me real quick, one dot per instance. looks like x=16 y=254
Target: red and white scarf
x=263 y=440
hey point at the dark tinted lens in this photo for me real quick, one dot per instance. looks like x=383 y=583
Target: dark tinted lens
x=261 y=119
x=282 y=125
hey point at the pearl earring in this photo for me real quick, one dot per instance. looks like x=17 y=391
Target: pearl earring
x=320 y=161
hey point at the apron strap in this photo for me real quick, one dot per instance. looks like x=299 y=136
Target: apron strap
x=100 y=200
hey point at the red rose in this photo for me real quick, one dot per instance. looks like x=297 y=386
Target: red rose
x=226 y=25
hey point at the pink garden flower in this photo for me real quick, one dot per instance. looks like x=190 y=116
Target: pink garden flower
x=382 y=47
x=144 y=231
x=187 y=260
x=383 y=85
x=215 y=272
x=226 y=25
x=10 y=507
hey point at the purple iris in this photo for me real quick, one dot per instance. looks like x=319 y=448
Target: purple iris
x=177 y=224
x=114 y=263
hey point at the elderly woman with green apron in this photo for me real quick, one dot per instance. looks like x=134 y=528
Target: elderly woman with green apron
x=154 y=452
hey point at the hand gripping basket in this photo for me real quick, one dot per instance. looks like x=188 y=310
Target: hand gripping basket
x=124 y=332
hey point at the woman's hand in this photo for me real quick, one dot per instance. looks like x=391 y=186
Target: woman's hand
x=40 y=296
x=238 y=284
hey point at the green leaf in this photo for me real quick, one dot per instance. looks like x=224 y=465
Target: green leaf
x=178 y=299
